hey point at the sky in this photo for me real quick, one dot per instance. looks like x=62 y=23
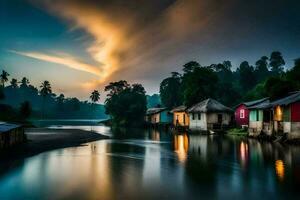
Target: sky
x=82 y=45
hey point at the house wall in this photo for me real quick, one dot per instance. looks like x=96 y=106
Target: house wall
x=295 y=131
x=237 y=114
x=295 y=112
x=165 y=117
x=178 y=117
x=196 y=124
x=155 y=118
x=255 y=122
x=207 y=121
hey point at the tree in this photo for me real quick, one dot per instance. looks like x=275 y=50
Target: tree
x=247 y=77
x=198 y=84
x=4 y=77
x=25 y=110
x=261 y=69
x=277 y=87
x=60 y=101
x=276 y=62
x=170 y=91
x=95 y=96
x=190 y=66
x=24 y=82
x=294 y=73
x=14 y=83
x=126 y=104
x=45 y=91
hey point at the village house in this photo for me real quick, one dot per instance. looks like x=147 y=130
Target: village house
x=11 y=135
x=287 y=115
x=158 y=116
x=277 y=117
x=209 y=115
x=180 y=117
x=241 y=113
x=260 y=119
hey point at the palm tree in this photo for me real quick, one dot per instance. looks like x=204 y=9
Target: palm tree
x=45 y=91
x=14 y=83
x=95 y=96
x=4 y=77
x=24 y=82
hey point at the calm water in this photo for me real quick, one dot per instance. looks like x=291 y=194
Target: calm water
x=152 y=164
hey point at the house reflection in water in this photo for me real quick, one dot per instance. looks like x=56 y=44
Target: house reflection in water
x=279 y=168
x=181 y=146
x=244 y=154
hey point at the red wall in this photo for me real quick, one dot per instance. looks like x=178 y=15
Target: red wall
x=239 y=121
x=295 y=112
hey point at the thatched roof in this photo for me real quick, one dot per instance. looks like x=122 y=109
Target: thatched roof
x=181 y=108
x=209 y=105
x=152 y=111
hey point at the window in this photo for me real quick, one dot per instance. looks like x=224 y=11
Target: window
x=242 y=113
x=199 y=116
x=193 y=116
x=177 y=116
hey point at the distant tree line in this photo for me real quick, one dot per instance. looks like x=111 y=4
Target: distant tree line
x=20 y=100
x=267 y=78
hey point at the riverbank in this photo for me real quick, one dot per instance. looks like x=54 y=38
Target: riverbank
x=42 y=139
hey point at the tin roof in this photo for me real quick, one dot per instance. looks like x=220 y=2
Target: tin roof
x=253 y=103
x=4 y=127
x=209 y=105
x=287 y=100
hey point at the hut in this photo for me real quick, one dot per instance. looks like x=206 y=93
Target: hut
x=287 y=115
x=241 y=113
x=180 y=117
x=158 y=116
x=11 y=135
x=209 y=115
x=260 y=119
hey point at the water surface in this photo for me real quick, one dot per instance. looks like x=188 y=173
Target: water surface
x=139 y=164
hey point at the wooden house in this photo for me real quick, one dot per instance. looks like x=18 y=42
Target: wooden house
x=180 y=117
x=242 y=112
x=260 y=119
x=209 y=115
x=11 y=135
x=158 y=116
x=287 y=115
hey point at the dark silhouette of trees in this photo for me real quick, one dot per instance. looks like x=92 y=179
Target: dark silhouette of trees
x=126 y=104
x=25 y=110
x=45 y=92
x=261 y=69
x=4 y=77
x=95 y=96
x=14 y=83
x=170 y=92
x=276 y=63
x=247 y=79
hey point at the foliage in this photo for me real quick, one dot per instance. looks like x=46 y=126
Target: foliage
x=153 y=100
x=169 y=89
x=4 y=77
x=25 y=110
x=55 y=106
x=95 y=96
x=125 y=103
x=276 y=63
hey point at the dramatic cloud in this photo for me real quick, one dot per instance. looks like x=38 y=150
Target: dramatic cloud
x=143 y=41
x=65 y=60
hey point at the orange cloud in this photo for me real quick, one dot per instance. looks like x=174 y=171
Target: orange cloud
x=67 y=61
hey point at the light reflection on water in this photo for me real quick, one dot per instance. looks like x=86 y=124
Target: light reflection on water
x=152 y=164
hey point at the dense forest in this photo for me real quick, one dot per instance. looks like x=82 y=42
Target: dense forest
x=20 y=100
x=267 y=78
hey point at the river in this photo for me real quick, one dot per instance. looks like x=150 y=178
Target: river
x=150 y=164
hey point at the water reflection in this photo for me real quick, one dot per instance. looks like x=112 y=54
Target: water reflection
x=181 y=146
x=279 y=167
x=154 y=164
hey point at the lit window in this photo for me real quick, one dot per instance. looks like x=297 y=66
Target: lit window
x=242 y=113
